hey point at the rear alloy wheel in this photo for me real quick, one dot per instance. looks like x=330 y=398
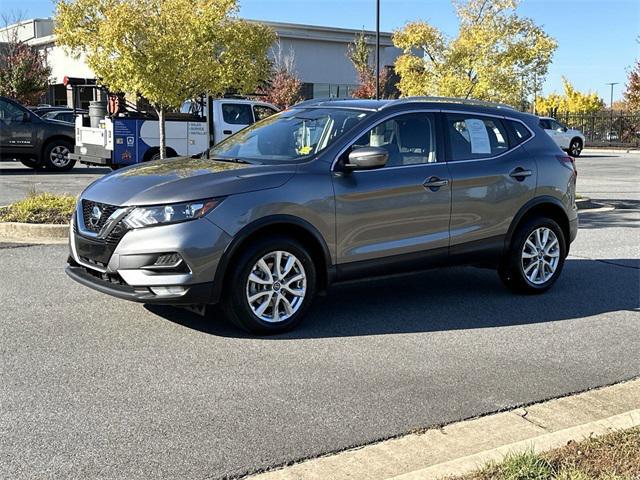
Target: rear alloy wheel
x=272 y=285
x=536 y=257
x=56 y=156
x=575 y=147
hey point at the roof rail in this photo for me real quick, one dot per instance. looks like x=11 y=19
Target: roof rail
x=313 y=101
x=464 y=101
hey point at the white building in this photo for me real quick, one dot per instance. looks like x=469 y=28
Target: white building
x=320 y=57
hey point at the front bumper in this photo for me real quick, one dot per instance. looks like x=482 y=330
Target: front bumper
x=195 y=294
x=125 y=269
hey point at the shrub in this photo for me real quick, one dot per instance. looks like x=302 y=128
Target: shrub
x=40 y=208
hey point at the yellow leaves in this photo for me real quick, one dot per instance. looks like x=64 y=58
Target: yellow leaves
x=166 y=50
x=573 y=101
x=496 y=55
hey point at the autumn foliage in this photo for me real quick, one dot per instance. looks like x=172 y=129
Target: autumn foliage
x=497 y=55
x=284 y=88
x=359 y=53
x=24 y=73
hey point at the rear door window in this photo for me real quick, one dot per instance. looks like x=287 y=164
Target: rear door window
x=520 y=133
x=472 y=137
x=237 y=113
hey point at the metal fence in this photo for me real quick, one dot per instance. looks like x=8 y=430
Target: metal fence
x=605 y=127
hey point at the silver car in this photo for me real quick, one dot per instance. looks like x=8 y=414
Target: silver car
x=330 y=191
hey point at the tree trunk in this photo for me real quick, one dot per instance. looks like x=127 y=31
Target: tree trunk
x=163 y=138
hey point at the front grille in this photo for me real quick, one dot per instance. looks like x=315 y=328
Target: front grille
x=90 y=223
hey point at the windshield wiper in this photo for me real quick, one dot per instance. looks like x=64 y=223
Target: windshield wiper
x=230 y=159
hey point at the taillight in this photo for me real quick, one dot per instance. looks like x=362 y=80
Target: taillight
x=568 y=160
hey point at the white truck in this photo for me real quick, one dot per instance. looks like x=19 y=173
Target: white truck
x=128 y=137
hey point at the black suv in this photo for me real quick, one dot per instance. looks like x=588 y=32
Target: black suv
x=35 y=141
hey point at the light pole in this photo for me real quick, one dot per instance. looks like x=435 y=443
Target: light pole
x=611 y=110
x=377 y=49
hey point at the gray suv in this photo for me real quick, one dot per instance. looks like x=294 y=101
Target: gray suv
x=329 y=191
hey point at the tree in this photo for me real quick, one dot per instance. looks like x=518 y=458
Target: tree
x=496 y=56
x=632 y=93
x=24 y=73
x=166 y=50
x=359 y=52
x=284 y=87
x=573 y=101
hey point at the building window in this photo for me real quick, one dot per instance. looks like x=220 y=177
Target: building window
x=327 y=90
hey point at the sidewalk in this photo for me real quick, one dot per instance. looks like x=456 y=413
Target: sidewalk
x=464 y=446
x=605 y=150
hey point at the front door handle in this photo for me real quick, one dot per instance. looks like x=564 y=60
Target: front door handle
x=434 y=183
x=227 y=132
x=520 y=173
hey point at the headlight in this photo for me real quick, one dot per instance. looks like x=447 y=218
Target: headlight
x=164 y=214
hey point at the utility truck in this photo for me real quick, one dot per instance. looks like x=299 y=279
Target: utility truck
x=117 y=134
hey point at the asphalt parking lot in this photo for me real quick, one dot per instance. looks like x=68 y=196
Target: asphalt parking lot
x=96 y=387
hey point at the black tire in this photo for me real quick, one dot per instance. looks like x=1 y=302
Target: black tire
x=115 y=166
x=235 y=303
x=30 y=163
x=575 y=147
x=57 y=148
x=512 y=269
x=156 y=155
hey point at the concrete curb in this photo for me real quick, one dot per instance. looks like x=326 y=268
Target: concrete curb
x=462 y=447
x=610 y=150
x=33 y=232
x=542 y=443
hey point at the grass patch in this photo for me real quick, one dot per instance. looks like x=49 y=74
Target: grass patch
x=615 y=456
x=40 y=208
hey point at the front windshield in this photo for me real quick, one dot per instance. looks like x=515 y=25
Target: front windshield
x=290 y=135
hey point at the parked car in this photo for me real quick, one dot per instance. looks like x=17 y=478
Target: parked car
x=66 y=115
x=612 y=136
x=329 y=191
x=570 y=140
x=33 y=140
x=45 y=108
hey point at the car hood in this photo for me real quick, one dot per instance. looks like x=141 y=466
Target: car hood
x=184 y=179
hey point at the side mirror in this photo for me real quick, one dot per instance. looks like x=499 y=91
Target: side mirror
x=564 y=129
x=26 y=117
x=367 y=158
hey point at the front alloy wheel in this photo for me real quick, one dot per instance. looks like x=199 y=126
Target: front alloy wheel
x=270 y=286
x=276 y=286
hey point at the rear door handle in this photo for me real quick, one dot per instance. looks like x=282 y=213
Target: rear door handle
x=434 y=183
x=520 y=173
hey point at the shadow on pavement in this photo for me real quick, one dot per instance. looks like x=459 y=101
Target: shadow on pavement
x=446 y=299
x=620 y=217
x=597 y=156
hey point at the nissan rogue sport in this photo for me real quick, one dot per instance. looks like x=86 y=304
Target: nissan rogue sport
x=329 y=191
